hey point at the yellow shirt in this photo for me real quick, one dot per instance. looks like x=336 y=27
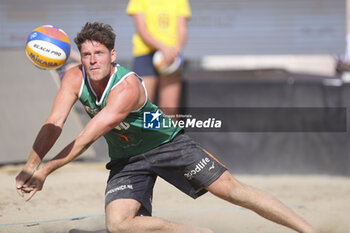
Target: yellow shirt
x=161 y=18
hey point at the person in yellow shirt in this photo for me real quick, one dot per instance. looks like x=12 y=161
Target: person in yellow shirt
x=160 y=25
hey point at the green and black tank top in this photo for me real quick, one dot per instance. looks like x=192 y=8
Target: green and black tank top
x=132 y=136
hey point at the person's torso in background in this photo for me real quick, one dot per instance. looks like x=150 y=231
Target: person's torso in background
x=161 y=18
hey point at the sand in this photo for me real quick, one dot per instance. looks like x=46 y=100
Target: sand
x=72 y=201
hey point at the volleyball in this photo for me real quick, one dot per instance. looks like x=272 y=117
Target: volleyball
x=48 y=47
x=175 y=67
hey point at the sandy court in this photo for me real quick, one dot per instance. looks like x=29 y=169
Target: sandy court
x=72 y=201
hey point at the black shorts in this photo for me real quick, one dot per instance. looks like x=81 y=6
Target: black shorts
x=181 y=162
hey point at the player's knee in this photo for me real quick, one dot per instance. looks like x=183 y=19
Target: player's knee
x=230 y=189
x=118 y=226
x=118 y=223
x=119 y=215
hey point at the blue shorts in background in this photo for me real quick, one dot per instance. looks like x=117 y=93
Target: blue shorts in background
x=143 y=65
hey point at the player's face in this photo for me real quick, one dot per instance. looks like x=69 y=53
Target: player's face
x=97 y=60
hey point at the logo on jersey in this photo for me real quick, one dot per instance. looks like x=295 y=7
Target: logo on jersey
x=123 y=126
x=125 y=138
x=151 y=120
x=92 y=111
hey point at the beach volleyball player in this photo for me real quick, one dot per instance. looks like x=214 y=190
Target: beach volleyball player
x=116 y=100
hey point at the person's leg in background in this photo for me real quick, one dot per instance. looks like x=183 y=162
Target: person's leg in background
x=143 y=66
x=151 y=84
x=170 y=93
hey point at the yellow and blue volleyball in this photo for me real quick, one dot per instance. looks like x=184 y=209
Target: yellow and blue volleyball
x=173 y=68
x=48 y=47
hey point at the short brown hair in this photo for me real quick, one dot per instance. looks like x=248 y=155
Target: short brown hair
x=96 y=31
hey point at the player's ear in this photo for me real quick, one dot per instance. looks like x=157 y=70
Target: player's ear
x=113 y=55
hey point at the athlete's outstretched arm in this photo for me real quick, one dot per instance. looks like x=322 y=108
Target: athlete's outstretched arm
x=121 y=100
x=52 y=127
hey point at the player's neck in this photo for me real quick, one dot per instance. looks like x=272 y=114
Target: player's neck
x=99 y=86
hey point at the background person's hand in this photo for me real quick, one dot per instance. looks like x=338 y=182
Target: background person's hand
x=169 y=54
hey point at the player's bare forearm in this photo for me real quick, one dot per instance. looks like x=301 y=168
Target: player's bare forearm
x=68 y=154
x=97 y=127
x=46 y=138
x=33 y=181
